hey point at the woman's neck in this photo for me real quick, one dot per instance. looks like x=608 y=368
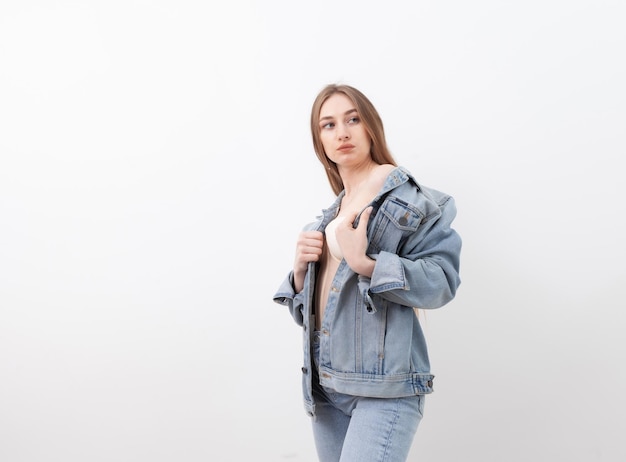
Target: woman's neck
x=354 y=178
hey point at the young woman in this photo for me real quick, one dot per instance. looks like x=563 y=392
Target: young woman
x=383 y=248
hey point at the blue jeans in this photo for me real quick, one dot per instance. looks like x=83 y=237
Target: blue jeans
x=359 y=429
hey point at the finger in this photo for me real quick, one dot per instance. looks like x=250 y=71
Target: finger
x=365 y=216
x=315 y=243
x=311 y=238
x=350 y=220
x=313 y=235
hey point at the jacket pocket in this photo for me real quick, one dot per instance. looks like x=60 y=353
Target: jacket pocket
x=393 y=222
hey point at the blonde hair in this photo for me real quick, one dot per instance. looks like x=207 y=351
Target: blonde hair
x=369 y=118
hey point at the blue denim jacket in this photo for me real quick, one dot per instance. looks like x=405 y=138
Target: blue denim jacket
x=371 y=342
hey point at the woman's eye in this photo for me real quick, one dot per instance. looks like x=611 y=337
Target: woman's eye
x=353 y=120
x=328 y=125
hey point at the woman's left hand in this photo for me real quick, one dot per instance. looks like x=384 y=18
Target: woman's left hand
x=353 y=243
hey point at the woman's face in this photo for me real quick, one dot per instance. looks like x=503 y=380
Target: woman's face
x=343 y=135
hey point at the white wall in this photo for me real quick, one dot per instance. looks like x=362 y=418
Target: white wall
x=156 y=166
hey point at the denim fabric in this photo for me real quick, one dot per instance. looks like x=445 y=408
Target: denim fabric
x=360 y=429
x=371 y=342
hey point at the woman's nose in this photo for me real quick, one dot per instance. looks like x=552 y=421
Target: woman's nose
x=343 y=133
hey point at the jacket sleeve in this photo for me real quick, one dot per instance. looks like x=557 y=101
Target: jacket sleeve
x=285 y=295
x=425 y=272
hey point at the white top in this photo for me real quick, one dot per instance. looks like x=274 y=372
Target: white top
x=331 y=238
x=331 y=257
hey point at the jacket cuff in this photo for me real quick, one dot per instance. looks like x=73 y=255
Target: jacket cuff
x=285 y=291
x=388 y=273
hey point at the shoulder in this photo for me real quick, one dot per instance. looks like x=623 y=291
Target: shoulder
x=383 y=170
x=379 y=175
x=429 y=201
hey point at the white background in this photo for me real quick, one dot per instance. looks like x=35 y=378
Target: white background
x=156 y=166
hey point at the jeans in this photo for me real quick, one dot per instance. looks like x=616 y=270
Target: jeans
x=360 y=429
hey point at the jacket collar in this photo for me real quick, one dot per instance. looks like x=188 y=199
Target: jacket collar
x=398 y=176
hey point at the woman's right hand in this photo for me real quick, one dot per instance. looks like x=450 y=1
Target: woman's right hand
x=308 y=248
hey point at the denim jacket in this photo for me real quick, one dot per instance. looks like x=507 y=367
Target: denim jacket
x=371 y=342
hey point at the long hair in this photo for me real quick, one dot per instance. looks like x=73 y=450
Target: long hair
x=369 y=118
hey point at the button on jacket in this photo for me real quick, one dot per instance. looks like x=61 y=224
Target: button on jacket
x=371 y=342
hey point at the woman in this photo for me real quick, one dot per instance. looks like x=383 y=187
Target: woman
x=382 y=248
